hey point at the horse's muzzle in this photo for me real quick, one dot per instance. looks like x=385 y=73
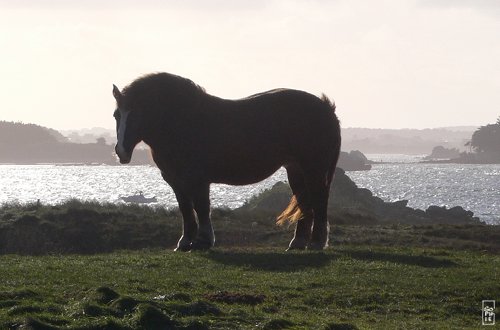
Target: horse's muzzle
x=123 y=156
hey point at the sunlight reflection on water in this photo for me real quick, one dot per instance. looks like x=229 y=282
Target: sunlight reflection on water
x=474 y=187
x=52 y=184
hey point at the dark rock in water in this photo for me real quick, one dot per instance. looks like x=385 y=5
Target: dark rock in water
x=352 y=205
x=355 y=160
x=441 y=152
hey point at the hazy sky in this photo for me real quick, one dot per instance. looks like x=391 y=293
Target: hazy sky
x=387 y=63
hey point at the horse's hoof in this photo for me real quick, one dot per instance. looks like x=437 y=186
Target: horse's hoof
x=296 y=248
x=201 y=245
x=297 y=244
x=184 y=248
x=317 y=247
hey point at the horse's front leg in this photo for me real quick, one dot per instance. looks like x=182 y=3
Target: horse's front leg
x=189 y=225
x=205 y=238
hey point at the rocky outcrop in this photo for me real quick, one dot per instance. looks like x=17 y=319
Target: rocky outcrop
x=350 y=204
x=355 y=160
x=441 y=152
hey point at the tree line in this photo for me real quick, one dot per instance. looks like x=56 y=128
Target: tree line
x=487 y=138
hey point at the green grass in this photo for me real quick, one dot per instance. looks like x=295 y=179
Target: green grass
x=84 y=265
x=345 y=287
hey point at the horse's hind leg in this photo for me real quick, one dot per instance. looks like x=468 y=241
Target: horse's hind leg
x=205 y=238
x=319 y=190
x=304 y=225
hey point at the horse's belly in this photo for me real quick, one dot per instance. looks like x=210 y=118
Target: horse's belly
x=244 y=174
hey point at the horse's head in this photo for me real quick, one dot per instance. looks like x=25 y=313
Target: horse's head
x=128 y=127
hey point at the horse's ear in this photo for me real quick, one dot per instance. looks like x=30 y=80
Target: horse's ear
x=116 y=93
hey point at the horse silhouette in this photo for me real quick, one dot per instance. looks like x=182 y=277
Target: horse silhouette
x=197 y=139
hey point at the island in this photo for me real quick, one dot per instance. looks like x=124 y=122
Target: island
x=483 y=148
x=33 y=144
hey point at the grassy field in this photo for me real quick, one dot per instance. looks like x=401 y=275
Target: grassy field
x=102 y=266
x=345 y=287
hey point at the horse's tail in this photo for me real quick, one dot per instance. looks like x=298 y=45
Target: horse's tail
x=292 y=213
x=336 y=122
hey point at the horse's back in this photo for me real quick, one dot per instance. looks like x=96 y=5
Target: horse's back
x=294 y=112
x=277 y=127
x=282 y=99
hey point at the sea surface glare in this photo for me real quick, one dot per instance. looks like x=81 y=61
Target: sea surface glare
x=474 y=187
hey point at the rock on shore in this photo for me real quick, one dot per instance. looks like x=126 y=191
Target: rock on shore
x=350 y=204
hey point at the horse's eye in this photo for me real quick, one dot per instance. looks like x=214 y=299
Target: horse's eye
x=116 y=114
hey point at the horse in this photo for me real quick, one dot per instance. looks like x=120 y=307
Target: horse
x=197 y=139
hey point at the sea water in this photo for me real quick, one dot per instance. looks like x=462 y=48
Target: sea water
x=52 y=184
x=474 y=187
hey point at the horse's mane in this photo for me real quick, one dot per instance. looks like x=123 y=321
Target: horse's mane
x=330 y=103
x=155 y=90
